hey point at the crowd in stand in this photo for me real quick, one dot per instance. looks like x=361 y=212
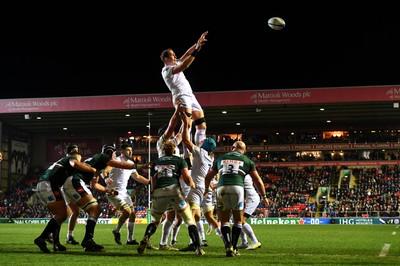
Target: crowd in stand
x=276 y=138
x=284 y=138
x=294 y=192
x=374 y=192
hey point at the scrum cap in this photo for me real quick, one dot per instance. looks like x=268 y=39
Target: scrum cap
x=69 y=148
x=209 y=144
x=108 y=149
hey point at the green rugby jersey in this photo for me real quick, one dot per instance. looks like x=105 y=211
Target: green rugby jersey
x=98 y=161
x=232 y=168
x=58 y=172
x=166 y=171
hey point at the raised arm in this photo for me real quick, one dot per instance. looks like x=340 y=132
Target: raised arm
x=77 y=164
x=172 y=123
x=123 y=165
x=178 y=136
x=186 y=122
x=188 y=57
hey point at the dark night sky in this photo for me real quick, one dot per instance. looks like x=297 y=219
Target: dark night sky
x=115 y=50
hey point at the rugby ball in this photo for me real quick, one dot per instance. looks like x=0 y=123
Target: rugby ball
x=276 y=23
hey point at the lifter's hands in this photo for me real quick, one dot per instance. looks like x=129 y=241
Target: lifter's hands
x=201 y=41
x=108 y=181
x=111 y=192
x=192 y=184
x=145 y=166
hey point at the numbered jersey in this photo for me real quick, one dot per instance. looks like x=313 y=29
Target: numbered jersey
x=166 y=171
x=232 y=168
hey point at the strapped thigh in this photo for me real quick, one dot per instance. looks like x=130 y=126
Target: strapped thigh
x=199 y=121
x=86 y=206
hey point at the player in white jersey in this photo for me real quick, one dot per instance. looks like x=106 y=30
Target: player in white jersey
x=252 y=200
x=208 y=205
x=167 y=132
x=182 y=93
x=123 y=200
x=202 y=162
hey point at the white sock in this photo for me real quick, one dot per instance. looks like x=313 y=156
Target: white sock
x=200 y=227
x=166 y=230
x=243 y=237
x=248 y=230
x=218 y=231
x=130 y=228
x=175 y=231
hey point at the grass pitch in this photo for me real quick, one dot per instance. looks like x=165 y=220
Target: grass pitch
x=281 y=245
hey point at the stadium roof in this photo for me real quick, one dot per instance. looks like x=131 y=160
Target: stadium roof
x=257 y=111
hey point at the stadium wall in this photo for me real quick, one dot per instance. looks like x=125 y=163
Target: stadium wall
x=257 y=221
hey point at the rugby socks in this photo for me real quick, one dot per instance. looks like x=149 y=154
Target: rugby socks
x=194 y=235
x=50 y=227
x=218 y=231
x=166 y=230
x=226 y=235
x=130 y=228
x=175 y=231
x=243 y=237
x=236 y=229
x=90 y=225
x=150 y=230
x=200 y=227
x=248 y=230
x=70 y=233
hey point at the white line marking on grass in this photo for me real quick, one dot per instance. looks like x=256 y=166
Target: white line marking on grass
x=393 y=233
x=384 y=250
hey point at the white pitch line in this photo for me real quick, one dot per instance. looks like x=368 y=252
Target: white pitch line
x=384 y=250
x=393 y=233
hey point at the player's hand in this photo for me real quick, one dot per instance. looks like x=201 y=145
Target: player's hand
x=177 y=104
x=112 y=192
x=96 y=173
x=108 y=181
x=208 y=190
x=147 y=165
x=201 y=41
x=184 y=118
x=265 y=201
